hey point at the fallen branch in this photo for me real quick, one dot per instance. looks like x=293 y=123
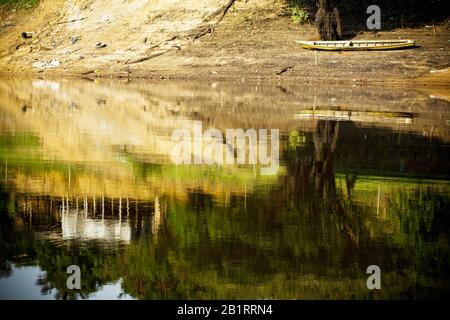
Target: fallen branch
x=210 y=27
x=88 y=72
x=222 y=11
x=154 y=55
x=69 y=21
x=283 y=70
x=160 y=43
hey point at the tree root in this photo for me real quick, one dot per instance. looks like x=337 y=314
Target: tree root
x=210 y=27
x=154 y=55
x=199 y=32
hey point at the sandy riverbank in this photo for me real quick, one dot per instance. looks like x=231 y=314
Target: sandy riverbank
x=166 y=39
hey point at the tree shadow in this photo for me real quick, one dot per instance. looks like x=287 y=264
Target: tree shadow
x=394 y=13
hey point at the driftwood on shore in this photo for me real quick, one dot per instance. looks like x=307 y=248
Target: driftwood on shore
x=209 y=27
x=154 y=55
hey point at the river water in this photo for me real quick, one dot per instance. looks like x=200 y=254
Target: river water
x=87 y=178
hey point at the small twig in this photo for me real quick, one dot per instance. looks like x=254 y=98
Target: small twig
x=160 y=43
x=284 y=70
x=88 y=72
x=142 y=59
x=69 y=21
x=154 y=55
x=211 y=26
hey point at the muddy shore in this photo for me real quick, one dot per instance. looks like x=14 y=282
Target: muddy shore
x=247 y=45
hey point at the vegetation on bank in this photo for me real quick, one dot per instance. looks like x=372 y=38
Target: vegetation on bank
x=301 y=11
x=19 y=3
x=395 y=13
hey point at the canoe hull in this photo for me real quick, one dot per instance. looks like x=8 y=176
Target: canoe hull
x=358 y=45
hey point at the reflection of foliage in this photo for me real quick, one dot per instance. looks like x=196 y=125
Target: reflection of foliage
x=97 y=267
x=15 y=239
x=24 y=151
x=205 y=251
x=295 y=140
x=267 y=248
x=311 y=235
x=424 y=225
x=24 y=154
x=24 y=140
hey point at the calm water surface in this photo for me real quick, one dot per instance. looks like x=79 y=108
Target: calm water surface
x=86 y=179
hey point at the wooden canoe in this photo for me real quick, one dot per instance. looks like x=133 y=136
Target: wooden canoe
x=356 y=116
x=357 y=45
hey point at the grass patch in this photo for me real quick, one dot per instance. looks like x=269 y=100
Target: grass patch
x=299 y=15
x=300 y=10
x=21 y=4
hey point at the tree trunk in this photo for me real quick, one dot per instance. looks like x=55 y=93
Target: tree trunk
x=328 y=20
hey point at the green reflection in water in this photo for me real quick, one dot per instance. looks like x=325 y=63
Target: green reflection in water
x=346 y=197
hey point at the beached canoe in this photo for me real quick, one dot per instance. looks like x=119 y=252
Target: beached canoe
x=353 y=45
x=355 y=116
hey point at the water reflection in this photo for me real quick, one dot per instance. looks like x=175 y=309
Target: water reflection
x=75 y=225
x=87 y=179
x=29 y=283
